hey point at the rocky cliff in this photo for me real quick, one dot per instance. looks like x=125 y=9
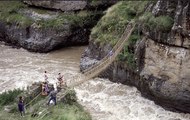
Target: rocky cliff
x=156 y=57
x=41 y=30
x=71 y=5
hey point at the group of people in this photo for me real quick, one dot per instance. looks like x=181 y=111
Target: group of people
x=45 y=91
x=45 y=88
x=59 y=78
x=60 y=83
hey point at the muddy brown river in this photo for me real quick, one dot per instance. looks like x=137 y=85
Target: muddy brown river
x=103 y=99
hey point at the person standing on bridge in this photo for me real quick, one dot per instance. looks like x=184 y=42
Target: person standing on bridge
x=110 y=54
x=21 y=106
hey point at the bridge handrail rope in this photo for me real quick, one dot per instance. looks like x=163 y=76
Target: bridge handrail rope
x=115 y=51
x=119 y=42
x=33 y=99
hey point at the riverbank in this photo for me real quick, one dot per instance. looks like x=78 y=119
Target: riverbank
x=70 y=109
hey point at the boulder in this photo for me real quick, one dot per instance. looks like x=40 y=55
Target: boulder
x=66 y=5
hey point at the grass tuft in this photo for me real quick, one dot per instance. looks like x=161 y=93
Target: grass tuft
x=8 y=97
x=160 y=23
x=9 y=13
x=111 y=26
x=79 y=19
x=128 y=52
x=11 y=6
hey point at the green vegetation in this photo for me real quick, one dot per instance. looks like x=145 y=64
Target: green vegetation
x=74 y=19
x=160 y=23
x=95 y=2
x=8 y=97
x=61 y=20
x=9 y=13
x=11 y=6
x=70 y=97
x=40 y=11
x=112 y=25
x=110 y=28
x=69 y=110
x=127 y=56
x=16 y=18
x=128 y=52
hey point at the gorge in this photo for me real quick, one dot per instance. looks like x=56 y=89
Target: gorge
x=155 y=59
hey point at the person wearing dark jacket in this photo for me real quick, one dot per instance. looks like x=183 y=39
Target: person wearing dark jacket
x=52 y=95
x=21 y=106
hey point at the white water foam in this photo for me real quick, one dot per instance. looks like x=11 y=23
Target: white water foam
x=112 y=101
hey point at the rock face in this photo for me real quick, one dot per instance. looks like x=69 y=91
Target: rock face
x=162 y=59
x=37 y=39
x=60 y=5
x=70 y=5
x=41 y=30
x=167 y=73
x=179 y=33
x=92 y=54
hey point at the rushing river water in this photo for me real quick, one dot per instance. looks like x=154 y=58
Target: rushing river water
x=103 y=99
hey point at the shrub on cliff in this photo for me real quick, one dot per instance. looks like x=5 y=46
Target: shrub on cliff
x=11 y=6
x=160 y=23
x=127 y=54
x=70 y=97
x=9 y=12
x=78 y=19
x=111 y=26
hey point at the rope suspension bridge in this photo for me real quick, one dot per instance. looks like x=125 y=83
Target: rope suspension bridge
x=94 y=70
